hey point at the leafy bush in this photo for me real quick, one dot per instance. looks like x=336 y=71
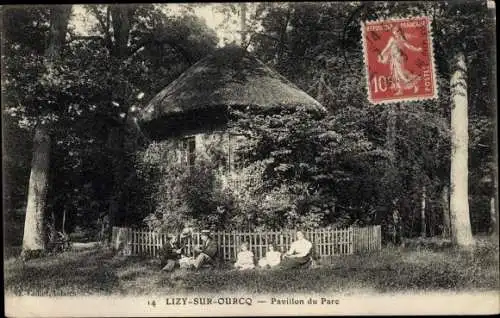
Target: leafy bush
x=208 y=202
x=180 y=194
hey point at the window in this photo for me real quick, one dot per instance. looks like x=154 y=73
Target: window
x=236 y=156
x=236 y=160
x=188 y=151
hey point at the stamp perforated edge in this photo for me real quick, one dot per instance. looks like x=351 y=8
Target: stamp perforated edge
x=432 y=60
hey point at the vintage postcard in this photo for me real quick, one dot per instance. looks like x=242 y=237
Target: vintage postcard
x=250 y=159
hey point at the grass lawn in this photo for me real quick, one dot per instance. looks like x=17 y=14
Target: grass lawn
x=99 y=272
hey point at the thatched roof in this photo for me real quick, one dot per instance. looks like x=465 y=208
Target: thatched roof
x=228 y=77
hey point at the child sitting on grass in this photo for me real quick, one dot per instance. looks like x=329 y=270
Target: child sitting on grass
x=272 y=258
x=245 y=258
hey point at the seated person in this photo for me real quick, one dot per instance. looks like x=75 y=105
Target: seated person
x=207 y=252
x=272 y=258
x=170 y=253
x=185 y=236
x=299 y=255
x=185 y=262
x=244 y=259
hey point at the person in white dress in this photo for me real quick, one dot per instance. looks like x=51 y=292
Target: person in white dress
x=300 y=253
x=272 y=258
x=245 y=258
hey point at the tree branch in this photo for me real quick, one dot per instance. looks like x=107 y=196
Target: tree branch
x=264 y=35
x=104 y=24
x=97 y=15
x=85 y=37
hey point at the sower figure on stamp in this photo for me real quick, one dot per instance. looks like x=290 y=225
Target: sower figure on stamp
x=207 y=252
x=300 y=253
x=170 y=253
x=393 y=54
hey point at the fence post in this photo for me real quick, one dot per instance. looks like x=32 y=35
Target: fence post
x=148 y=235
x=221 y=248
x=235 y=249
x=377 y=230
x=369 y=233
x=139 y=242
x=129 y=241
x=354 y=239
x=281 y=242
x=113 y=235
x=349 y=240
x=224 y=244
x=361 y=239
x=260 y=246
x=151 y=243
x=135 y=240
x=144 y=243
x=155 y=243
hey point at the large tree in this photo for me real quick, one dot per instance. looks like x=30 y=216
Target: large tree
x=459 y=201
x=33 y=239
x=467 y=28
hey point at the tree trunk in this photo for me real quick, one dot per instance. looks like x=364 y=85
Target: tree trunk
x=396 y=219
x=120 y=19
x=280 y=47
x=423 y=226
x=493 y=216
x=390 y=132
x=319 y=95
x=459 y=196
x=115 y=144
x=64 y=222
x=412 y=222
x=493 y=205
x=445 y=201
x=34 y=232
x=243 y=24
x=391 y=172
x=59 y=19
x=33 y=238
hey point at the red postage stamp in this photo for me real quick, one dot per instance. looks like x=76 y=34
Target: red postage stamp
x=399 y=60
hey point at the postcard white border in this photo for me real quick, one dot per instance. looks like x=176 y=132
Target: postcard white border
x=363 y=304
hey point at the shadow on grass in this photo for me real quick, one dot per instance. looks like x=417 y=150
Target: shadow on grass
x=70 y=273
x=94 y=271
x=99 y=271
x=391 y=270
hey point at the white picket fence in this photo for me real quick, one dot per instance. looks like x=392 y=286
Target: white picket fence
x=327 y=242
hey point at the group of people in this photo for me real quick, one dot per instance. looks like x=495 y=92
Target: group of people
x=299 y=255
x=174 y=253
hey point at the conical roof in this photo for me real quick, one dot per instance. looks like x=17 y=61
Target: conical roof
x=230 y=76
